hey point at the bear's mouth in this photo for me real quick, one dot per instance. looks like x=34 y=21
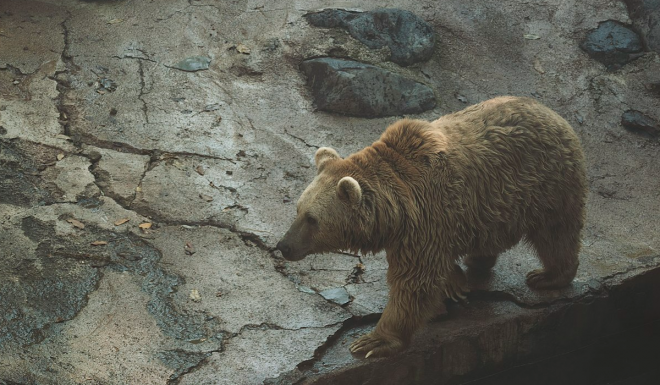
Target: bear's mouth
x=291 y=254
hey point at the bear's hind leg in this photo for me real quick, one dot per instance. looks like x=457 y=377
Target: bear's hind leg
x=480 y=262
x=558 y=248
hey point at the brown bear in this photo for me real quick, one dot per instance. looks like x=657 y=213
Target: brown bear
x=471 y=184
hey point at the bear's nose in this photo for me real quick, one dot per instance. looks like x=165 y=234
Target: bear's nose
x=285 y=249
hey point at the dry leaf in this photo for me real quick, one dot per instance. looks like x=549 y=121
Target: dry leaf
x=145 y=225
x=189 y=248
x=199 y=169
x=115 y=21
x=207 y=198
x=99 y=243
x=76 y=223
x=194 y=295
x=63 y=137
x=531 y=36
x=138 y=188
x=60 y=156
x=218 y=294
x=538 y=67
x=178 y=164
x=121 y=221
x=242 y=48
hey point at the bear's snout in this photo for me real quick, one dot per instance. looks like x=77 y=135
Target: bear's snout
x=284 y=248
x=289 y=252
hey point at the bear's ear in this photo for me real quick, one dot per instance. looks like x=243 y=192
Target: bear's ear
x=349 y=190
x=323 y=155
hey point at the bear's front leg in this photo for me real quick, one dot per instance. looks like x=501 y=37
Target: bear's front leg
x=406 y=311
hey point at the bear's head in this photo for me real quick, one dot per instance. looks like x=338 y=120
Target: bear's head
x=330 y=211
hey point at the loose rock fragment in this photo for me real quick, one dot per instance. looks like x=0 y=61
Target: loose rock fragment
x=337 y=295
x=60 y=156
x=145 y=226
x=106 y=85
x=305 y=289
x=193 y=63
x=461 y=98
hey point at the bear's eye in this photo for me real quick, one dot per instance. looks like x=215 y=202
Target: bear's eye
x=311 y=220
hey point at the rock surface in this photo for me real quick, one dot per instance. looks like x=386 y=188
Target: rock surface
x=613 y=44
x=357 y=89
x=409 y=38
x=127 y=185
x=646 y=18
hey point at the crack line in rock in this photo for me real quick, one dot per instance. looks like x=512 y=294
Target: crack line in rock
x=301 y=140
x=135 y=57
x=145 y=110
x=63 y=85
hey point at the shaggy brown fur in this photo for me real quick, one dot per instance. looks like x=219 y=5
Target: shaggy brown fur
x=471 y=184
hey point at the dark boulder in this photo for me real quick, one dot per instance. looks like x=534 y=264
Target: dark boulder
x=352 y=88
x=637 y=122
x=613 y=44
x=409 y=38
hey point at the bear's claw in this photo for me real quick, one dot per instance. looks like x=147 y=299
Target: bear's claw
x=375 y=345
x=542 y=279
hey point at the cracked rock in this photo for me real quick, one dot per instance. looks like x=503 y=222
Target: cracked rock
x=338 y=295
x=181 y=361
x=237 y=269
x=257 y=354
x=20 y=180
x=613 y=44
x=637 y=122
x=409 y=38
x=118 y=174
x=37 y=290
x=353 y=88
x=71 y=175
x=171 y=190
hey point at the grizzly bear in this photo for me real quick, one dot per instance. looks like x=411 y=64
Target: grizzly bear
x=469 y=185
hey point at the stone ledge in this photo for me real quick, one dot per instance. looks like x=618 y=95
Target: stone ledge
x=602 y=336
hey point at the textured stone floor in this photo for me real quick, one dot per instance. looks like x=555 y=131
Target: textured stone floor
x=151 y=154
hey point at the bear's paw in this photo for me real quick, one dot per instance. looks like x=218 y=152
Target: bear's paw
x=376 y=345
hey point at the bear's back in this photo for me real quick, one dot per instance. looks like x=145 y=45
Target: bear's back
x=503 y=167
